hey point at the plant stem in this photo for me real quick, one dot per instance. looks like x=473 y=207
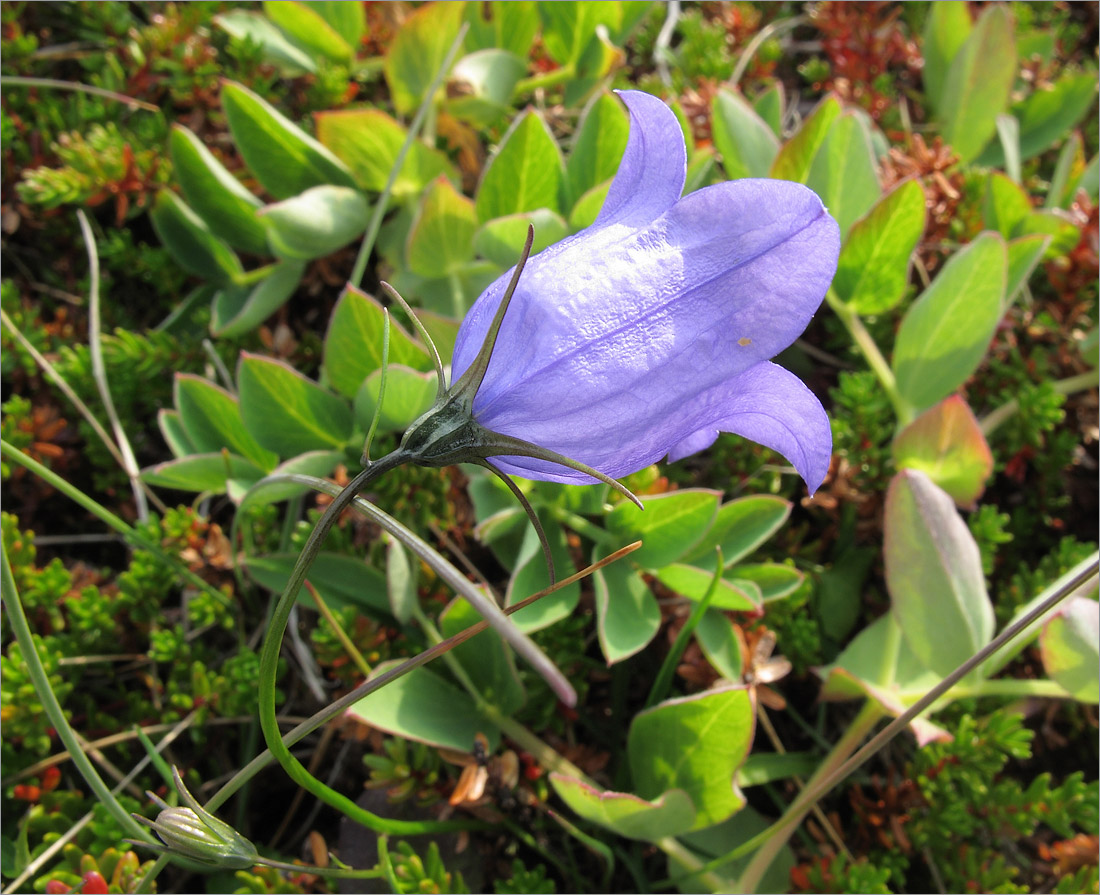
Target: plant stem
x=21 y=630
x=875 y=360
x=775 y=837
x=994 y=419
x=544 y=81
x=269 y=662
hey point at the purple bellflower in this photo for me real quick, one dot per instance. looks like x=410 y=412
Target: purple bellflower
x=642 y=336
x=649 y=332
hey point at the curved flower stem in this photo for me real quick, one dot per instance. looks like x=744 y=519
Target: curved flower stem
x=269 y=660
x=852 y=322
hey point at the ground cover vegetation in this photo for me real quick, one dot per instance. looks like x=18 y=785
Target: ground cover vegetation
x=201 y=203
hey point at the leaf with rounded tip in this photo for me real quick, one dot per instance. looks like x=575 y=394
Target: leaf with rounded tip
x=843 y=171
x=308 y=29
x=670 y=814
x=978 y=84
x=284 y=159
x=694 y=583
x=946 y=443
x=483 y=83
x=191 y=242
x=240 y=309
x=315 y=223
x=409 y=393
x=719 y=643
x=748 y=145
x=217 y=197
x=934 y=574
x=277 y=49
x=695 y=743
x=946 y=29
x=501 y=239
x=627 y=615
x=531 y=575
x=740 y=526
x=202 y=472
x=212 y=419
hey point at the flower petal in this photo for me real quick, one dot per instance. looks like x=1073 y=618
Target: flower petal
x=654 y=166
x=771 y=406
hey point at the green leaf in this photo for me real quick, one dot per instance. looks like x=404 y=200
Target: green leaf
x=190 y=241
x=670 y=814
x=287 y=413
x=340 y=580
x=501 y=239
x=567 y=28
x=864 y=670
x=696 y=744
x=769 y=106
x=409 y=393
x=368 y=141
x=417 y=51
x=775 y=580
x=212 y=419
x=424 y=707
x=587 y=207
x=1047 y=116
x=525 y=174
x=946 y=444
x=1070 y=647
x=485 y=657
x=1063 y=234
x=315 y=223
x=256 y=28
x=308 y=29
x=240 y=309
x=597 y=149
x=284 y=159
x=442 y=237
x=531 y=575
x=843 y=172
x=202 y=472
x=694 y=583
x=1004 y=205
x=945 y=31
x=482 y=85
x=509 y=26
x=627 y=615
x=740 y=526
x=400 y=581
x=669 y=526
x=946 y=332
x=797 y=154
x=349 y=20
x=353 y=343
x=216 y=196
x=873 y=272
x=312 y=463
x=719 y=643
x=934 y=574
x=747 y=143
x=978 y=84
x=171 y=427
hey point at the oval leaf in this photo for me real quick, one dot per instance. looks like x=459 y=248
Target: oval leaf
x=668 y=527
x=525 y=174
x=316 y=223
x=671 y=814
x=934 y=574
x=748 y=145
x=191 y=242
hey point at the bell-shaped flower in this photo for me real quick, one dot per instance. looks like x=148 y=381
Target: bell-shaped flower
x=651 y=331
